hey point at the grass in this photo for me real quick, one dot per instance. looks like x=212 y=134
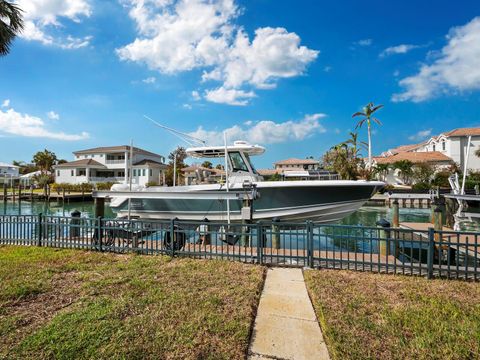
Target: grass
x=375 y=316
x=73 y=304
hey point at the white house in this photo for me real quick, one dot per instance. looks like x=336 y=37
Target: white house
x=439 y=151
x=111 y=164
x=8 y=172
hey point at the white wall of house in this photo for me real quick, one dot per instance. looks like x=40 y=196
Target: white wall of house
x=9 y=171
x=144 y=174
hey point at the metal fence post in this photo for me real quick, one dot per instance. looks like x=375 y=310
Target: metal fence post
x=309 y=244
x=172 y=237
x=431 y=249
x=259 y=242
x=40 y=230
x=100 y=232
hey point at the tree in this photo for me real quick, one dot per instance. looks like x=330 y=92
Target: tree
x=44 y=160
x=219 y=167
x=207 y=164
x=355 y=143
x=423 y=173
x=342 y=160
x=367 y=117
x=11 y=24
x=178 y=155
x=382 y=170
x=405 y=167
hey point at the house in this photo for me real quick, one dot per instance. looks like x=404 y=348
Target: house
x=8 y=172
x=452 y=144
x=435 y=159
x=196 y=174
x=111 y=164
x=440 y=151
x=297 y=164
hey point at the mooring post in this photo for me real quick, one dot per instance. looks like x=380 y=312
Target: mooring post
x=19 y=192
x=396 y=214
x=5 y=192
x=275 y=234
x=31 y=193
x=99 y=207
x=451 y=207
x=437 y=223
x=74 y=224
x=246 y=219
x=384 y=233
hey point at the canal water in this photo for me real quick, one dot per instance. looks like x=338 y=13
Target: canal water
x=366 y=216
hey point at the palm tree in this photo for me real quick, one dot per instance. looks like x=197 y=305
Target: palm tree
x=11 y=24
x=355 y=143
x=44 y=160
x=367 y=114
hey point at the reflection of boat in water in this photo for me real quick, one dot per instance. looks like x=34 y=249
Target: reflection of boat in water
x=317 y=200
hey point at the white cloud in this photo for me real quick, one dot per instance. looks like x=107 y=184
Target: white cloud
x=266 y=131
x=396 y=73
x=399 y=49
x=196 y=95
x=327 y=69
x=222 y=95
x=52 y=115
x=187 y=106
x=182 y=35
x=6 y=103
x=364 y=42
x=15 y=123
x=455 y=69
x=150 y=80
x=421 y=135
x=43 y=16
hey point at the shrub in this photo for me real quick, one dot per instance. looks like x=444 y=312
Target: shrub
x=104 y=185
x=151 y=183
x=421 y=186
x=441 y=179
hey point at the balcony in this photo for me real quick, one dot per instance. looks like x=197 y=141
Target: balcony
x=95 y=179
x=115 y=161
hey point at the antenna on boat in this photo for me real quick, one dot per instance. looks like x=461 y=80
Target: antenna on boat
x=189 y=139
x=226 y=174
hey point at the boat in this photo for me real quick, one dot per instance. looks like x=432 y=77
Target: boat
x=467 y=216
x=243 y=194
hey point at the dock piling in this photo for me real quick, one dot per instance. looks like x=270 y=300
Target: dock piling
x=395 y=214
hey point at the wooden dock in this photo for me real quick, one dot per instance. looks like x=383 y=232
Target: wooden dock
x=407 y=200
x=36 y=196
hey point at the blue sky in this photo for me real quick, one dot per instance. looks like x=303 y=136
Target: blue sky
x=287 y=75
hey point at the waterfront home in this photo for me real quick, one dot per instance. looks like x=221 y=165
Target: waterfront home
x=8 y=172
x=452 y=144
x=435 y=159
x=297 y=164
x=196 y=174
x=111 y=164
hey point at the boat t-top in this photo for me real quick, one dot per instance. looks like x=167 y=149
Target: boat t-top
x=292 y=200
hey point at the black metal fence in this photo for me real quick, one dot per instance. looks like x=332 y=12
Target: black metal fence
x=427 y=253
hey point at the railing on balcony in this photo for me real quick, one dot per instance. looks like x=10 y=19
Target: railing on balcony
x=106 y=179
x=115 y=161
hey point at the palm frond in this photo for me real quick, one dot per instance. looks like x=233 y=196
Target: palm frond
x=376 y=107
x=360 y=123
x=377 y=121
x=359 y=113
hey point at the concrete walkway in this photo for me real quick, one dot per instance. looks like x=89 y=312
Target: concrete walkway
x=286 y=326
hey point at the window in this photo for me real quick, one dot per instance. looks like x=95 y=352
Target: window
x=72 y=173
x=134 y=172
x=121 y=173
x=82 y=172
x=58 y=172
x=143 y=172
x=150 y=172
x=237 y=162
x=443 y=145
x=433 y=147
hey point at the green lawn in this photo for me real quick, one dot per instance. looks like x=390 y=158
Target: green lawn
x=374 y=316
x=68 y=304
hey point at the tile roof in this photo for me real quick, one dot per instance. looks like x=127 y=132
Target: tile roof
x=463 y=132
x=415 y=157
x=81 y=163
x=113 y=149
x=294 y=161
x=150 y=163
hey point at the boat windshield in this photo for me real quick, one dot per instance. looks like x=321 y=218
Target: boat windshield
x=237 y=161
x=250 y=162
